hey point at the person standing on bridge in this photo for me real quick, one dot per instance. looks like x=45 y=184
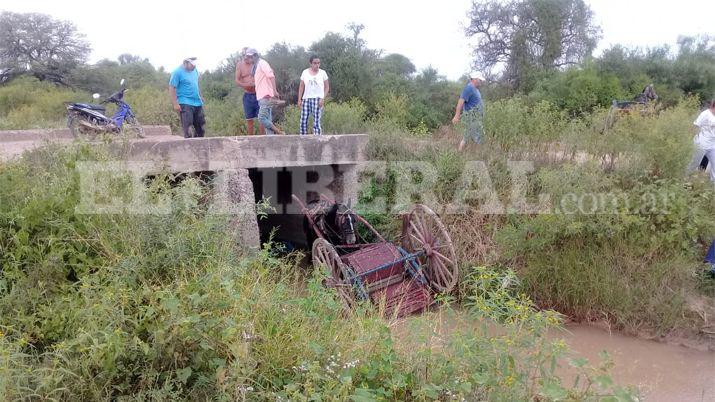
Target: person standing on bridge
x=266 y=92
x=185 y=95
x=470 y=102
x=244 y=79
x=312 y=92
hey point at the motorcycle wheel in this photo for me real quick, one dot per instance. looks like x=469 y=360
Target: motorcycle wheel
x=131 y=125
x=79 y=130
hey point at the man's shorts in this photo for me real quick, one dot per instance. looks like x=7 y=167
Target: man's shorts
x=250 y=105
x=473 y=125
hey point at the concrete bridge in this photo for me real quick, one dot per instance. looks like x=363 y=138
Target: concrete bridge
x=248 y=169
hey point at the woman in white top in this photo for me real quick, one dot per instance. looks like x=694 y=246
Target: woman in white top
x=313 y=90
x=705 y=139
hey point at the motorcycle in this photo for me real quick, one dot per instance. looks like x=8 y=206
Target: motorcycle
x=85 y=119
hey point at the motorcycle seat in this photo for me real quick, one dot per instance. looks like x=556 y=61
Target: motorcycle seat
x=90 y=106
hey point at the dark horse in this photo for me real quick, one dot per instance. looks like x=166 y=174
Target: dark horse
x=337 y=222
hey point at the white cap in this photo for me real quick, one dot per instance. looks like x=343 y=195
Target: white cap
x=191 y=60
x=477 y=75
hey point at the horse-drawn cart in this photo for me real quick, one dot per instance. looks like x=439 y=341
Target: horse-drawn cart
x=644 y=104
x=362 y=265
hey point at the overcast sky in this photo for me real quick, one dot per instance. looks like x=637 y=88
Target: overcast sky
x=428 y=32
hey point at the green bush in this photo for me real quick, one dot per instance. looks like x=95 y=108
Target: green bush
x=345 y=118
x=225 y=117
x=649 y=143
x=338 y=118
x=163 y=306
x=579 y=90
x=28 y=103
x=512 y=124
x=104 y=77
x=393 y=108
x=622 y=250
x=153 y=106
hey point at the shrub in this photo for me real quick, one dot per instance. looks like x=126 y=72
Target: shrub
x=153 y=106
x=579 y=90
x=28 y=103
x=655 y=143
x=394 y=109
x=338 y=118
x=105 y=307
x=345 y=118
x=626 y=253
x=226 y=117
x=512 y=124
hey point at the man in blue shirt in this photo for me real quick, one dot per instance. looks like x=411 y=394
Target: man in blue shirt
x=184 y=90
x=470 y=101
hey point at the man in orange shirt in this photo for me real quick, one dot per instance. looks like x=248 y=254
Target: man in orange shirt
x=244 y=79
x=266 y=92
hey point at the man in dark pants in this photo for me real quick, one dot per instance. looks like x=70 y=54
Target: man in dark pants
x=184 y=90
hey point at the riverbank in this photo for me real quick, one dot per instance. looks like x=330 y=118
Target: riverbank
x=660 y=371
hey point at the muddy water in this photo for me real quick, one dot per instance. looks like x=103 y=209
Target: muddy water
x=661 y=372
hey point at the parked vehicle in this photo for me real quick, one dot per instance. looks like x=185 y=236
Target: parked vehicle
x=85 y=119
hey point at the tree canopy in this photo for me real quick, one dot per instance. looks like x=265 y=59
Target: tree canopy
x=39 y=45
x=540 y=48
x=525 y=37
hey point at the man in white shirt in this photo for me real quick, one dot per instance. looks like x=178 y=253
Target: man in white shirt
x=705 y=139
x=313 y=90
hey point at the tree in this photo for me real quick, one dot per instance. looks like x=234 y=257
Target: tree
x=39 y=45
x=355 y=29
x=579 y=90
x=397 y=64
x=288 y=62
x=636 y=68
x=694 y=67
x=689 y=69
x=432 y=98
x=220 y=83
x=529 y=37
x=126 y=58
x=350 y=65
x=104 y=76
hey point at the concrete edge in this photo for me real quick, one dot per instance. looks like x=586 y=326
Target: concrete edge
x=64 y=133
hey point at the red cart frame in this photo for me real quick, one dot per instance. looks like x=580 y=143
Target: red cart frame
x=400 y=279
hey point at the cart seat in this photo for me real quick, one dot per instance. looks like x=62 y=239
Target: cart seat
x=370 y=258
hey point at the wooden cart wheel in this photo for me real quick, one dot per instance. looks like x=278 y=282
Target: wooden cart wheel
x=325 y=255
x=423 y=230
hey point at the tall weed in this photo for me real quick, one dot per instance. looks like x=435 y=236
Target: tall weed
x=122 y=306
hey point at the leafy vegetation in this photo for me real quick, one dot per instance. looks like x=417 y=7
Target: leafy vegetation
x=564 y=73
x=531 y=37
x=39 y=45
x=100 y=307
x=624 y=229
x=160 y=307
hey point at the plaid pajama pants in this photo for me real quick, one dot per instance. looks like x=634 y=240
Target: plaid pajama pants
x=310 y=106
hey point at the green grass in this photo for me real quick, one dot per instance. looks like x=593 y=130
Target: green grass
x=29 y=103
